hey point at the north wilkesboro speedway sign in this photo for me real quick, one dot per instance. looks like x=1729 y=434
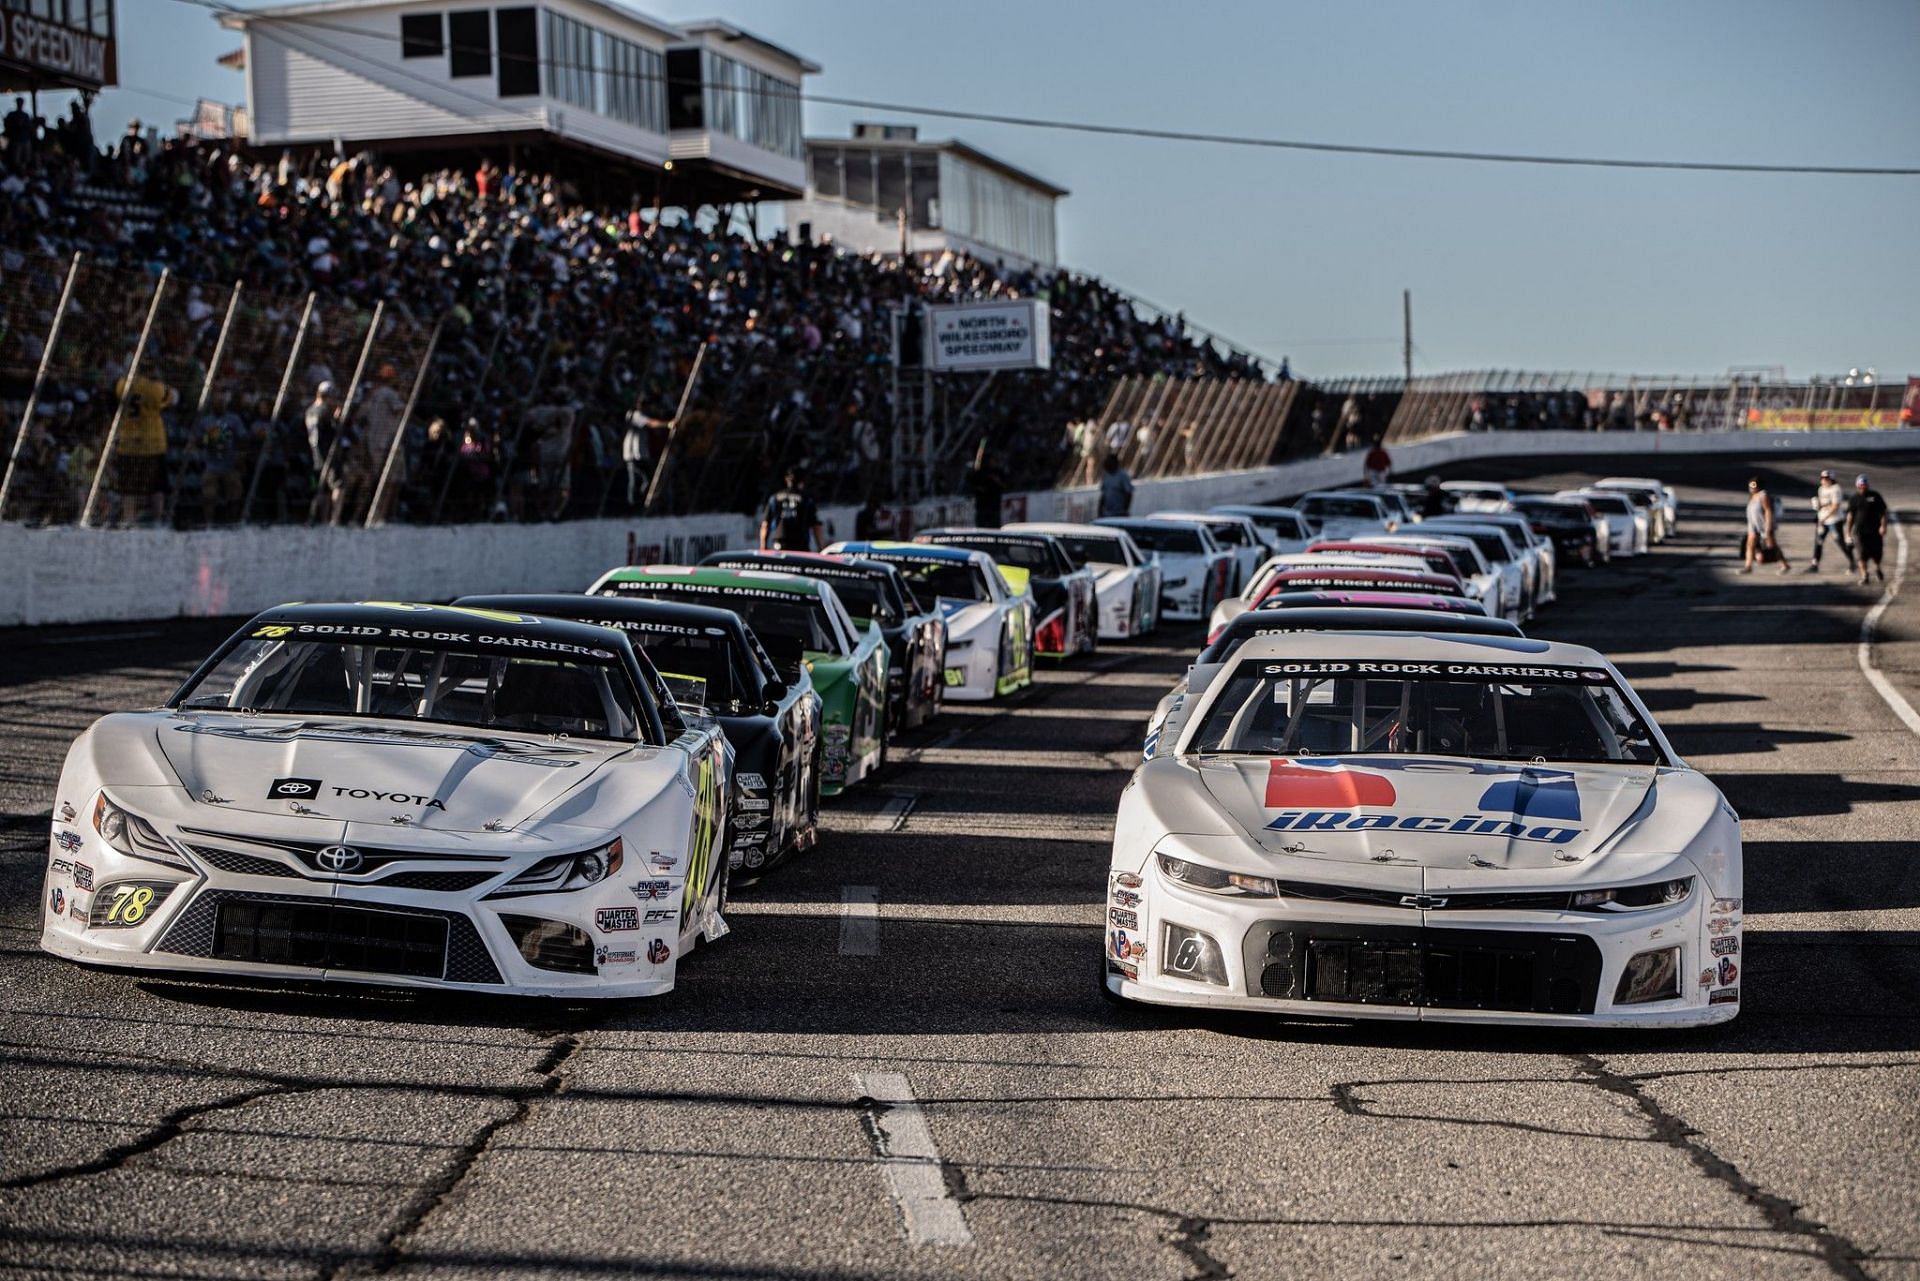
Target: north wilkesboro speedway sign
x=989 y=335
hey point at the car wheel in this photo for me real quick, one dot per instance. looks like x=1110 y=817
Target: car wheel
x=726 y=881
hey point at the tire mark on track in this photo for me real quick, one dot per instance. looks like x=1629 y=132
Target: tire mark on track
x=1841 y=1255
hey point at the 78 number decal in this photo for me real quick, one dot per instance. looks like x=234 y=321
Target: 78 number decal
x=126 y=905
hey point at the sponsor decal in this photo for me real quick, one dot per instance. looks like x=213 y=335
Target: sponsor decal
x=752 y=782
x=393 y=798
x=607 y=956
x=1722 y=924
x=1126 y=898
x=1525 y=791
x=1128 y=969
x=756 y=856
x=1124 y=919
x=67 y=812
x=655 y=915
x=1119 y=943
x=648 y=890
x=57 y=900
x=68 y=841
x=82 y=876
x=293 y=789
x=751 y=822
x=658 y=952
x=1706 y=977
x=755 y=803
x=476 y=640
x=130 y=903
x=1725 y=946
x=1724 y=996
x=61 y=867
x=610 y=919
x=660 y=862
x=1728 y=905
x=1485 y=671
x=1128 y=880
x=1729 y=972
x=339 y=858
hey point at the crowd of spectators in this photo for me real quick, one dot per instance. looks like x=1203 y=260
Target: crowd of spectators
x=567 y=334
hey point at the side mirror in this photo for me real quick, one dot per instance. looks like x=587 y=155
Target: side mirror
x=775 y=691
x=771 y=707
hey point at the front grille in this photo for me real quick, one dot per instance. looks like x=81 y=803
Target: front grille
x=445 y=881
x=240 y=864
x=1507 y=970
x=323 y=933
x=372 y=858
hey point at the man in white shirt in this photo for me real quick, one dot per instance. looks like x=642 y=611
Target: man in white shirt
x=1830 y=517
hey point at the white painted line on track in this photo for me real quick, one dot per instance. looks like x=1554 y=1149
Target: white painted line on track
x=892 y=815
x=1882 y=686
x=859 y=920
x=911 y=1163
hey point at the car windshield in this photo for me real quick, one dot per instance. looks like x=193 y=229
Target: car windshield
x=866 y=599
x=1228 y=533
x=1179 y=539
x=1483 y=711
x=953 y=579
x=798 y=618
x=1018 y=552
x=1610 y=503
x=1088 y=548
x=1492 y=546
x=544 y=693
x=1283 y=526
x=703 y=673
x=1345 y=508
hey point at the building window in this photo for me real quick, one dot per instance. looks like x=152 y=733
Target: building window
x=752 y=106
x=470 y=33
x=421 y=36
x=519 y=53
x=605 y=74
x=824 y=164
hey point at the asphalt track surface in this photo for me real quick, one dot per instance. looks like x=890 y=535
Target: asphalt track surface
x=929 y=1086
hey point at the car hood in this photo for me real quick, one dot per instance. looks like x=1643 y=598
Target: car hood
x=1429 y=812
x=1182 y=564
x=1113 y=578
x=967 y=618
x=429 y=776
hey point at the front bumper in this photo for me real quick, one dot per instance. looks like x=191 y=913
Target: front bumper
x=972 y=673
x=1329 y=959
x=244 y=909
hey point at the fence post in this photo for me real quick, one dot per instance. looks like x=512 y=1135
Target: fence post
x=663 y=467
x=279 y=404
x=120 y=400
x=347 y=407
x=39 y=381
x=219 y=350
x=400 y=432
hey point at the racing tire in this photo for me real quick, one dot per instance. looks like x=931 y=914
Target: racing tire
x=726 y=882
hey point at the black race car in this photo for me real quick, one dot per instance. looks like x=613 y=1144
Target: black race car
x=874 y=591
x=1569 y=523
x=716 y=672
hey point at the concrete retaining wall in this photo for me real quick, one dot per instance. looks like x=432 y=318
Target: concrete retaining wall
x=66 y=575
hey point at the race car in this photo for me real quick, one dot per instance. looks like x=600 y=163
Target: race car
x=988 y=609
x=1064 y=594
x=801 y=623
x=1472 y=497
x=1650 y=499
x=1307 y=598
x=1196 y=573
x=1517 y=569
x=1126 y=581
x=1286 y=529
x=1444 y=828
x=874 y=592
x=1628 y=527
x=401 y=795
x=716 y=673
x=1334 y=618
x=1579 y=536
x=1665 y=498
x=1534 y=547
x=1345 y=513
x=1238 y=534
x=1402 y=559
x=1365 y=578
x=1484 y=581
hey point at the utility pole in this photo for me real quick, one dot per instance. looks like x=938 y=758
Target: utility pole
x=1406 y=326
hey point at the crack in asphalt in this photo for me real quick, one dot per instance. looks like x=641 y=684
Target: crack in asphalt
x=169 y=1127
x=1841 y=1255
x=394 y=1238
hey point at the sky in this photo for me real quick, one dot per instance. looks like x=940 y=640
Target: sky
x=1304 y=255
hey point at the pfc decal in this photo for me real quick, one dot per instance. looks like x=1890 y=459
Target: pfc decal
x=646 y=891
x=1729 y=972
x=610 y=919
x=1124 y=919
x=57 y=900
x=61 y=867
x=82 y=876
x=655 y=914
x=293 y=789
x=1724 y=996
x=68 y=841
x=658 y=952
x=1725 y=946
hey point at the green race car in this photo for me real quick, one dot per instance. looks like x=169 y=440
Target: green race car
x=798 y=621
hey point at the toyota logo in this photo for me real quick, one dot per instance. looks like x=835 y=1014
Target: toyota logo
x=339 y=858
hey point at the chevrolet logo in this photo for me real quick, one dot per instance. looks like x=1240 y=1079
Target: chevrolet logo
x=1421 y=902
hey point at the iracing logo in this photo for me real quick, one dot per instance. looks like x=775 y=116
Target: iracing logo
x=1525 y=791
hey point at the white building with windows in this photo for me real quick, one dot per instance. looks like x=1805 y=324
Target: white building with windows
x=869 y=191
x=695 y=113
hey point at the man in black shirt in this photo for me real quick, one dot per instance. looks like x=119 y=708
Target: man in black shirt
x=1867 y=526
x=790 y=522
x=985 y=483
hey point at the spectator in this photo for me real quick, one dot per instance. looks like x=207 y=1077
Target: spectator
x=790 y=521
x=1830 y=517
x=1377 y=466
x=1763 y=543
x=19 y=133
x=140 y=453
x=1867 y=519
x=987 y=487
x=1433 y=502
x=1116 y=489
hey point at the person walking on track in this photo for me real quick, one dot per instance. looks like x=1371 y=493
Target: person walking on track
x=1867 y=518
x=790 y=521
x=1830 y=517
x=1763 y=542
